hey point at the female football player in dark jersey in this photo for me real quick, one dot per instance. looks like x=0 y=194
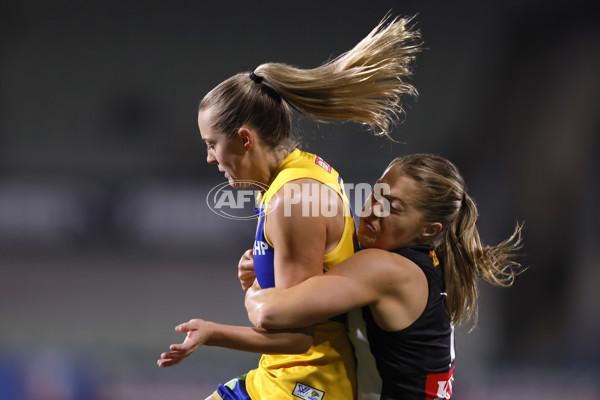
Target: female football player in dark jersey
x=413 y=280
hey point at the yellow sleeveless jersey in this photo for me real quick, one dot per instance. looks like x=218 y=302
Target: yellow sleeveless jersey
x=327 y=369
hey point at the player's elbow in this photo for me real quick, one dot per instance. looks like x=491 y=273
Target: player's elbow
x=263 y=317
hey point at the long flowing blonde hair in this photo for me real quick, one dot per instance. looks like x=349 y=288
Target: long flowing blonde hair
x=364 y=85
x=443 y=198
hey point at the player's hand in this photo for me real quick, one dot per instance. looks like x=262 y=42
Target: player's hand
x=246 y=270
x=197 y=333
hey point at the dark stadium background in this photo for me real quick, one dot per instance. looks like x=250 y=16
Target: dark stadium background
x=106 y=240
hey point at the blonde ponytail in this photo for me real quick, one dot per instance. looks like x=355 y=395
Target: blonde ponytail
x=364 y=85
x=443 y=198
x=466 y=260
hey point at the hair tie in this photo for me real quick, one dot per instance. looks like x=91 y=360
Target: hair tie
x=255 y=78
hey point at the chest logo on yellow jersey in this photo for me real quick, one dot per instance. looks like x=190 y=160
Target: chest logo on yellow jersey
x=307 y=393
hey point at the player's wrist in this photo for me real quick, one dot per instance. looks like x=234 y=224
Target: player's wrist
x=212 y=333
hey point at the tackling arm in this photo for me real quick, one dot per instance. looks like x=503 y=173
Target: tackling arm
x=357 y=281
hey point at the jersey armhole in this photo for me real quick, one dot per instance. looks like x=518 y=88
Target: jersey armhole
x=349 y=228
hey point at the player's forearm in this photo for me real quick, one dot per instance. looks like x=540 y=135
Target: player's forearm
x=257 y=340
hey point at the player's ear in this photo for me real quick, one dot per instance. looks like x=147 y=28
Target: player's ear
x=430 y=231
x=248 y=136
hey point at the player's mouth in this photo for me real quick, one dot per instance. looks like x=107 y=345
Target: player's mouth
x=370 y=226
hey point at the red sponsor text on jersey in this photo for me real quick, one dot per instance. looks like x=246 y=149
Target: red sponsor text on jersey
x=439 y=386
x=321 y=163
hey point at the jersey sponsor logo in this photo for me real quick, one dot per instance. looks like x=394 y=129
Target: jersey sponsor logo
x=433 y=256
x=321 y=163
x=439 y=386
x=260 y=247
x=307 y=393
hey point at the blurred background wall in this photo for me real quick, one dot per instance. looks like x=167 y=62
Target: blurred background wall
x=106 y=239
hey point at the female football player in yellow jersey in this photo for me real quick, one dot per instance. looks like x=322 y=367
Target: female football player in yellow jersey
x=246 y=124
x=412 y=281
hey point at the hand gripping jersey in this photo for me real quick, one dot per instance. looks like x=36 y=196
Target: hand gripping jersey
x=327 y=370
x=416 y=363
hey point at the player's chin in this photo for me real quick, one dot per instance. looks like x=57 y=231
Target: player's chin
x=366 y=238
x=369 y=240
x=238 y=184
